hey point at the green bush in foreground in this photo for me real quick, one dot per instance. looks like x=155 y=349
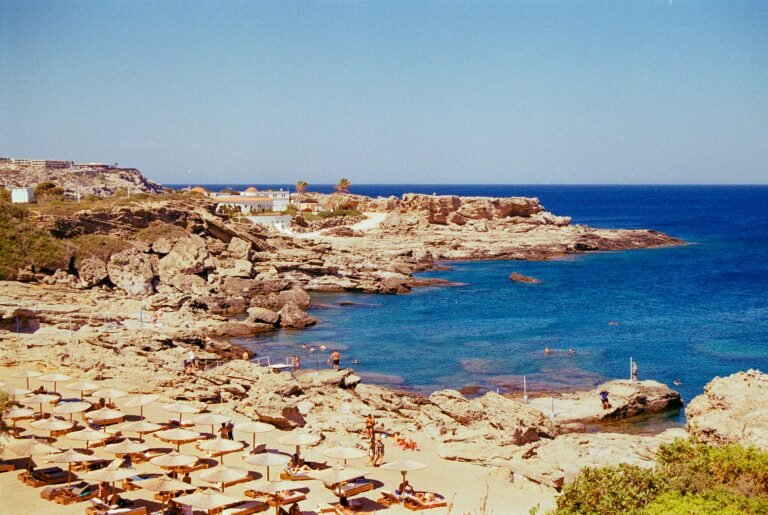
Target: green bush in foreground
x=689 y=478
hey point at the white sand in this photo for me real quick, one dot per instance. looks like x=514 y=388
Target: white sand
x=464 y=485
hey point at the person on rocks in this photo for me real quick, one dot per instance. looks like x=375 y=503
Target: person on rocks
x=604 y=399
x=370 y=424
x=296 y=362
x=336 y=359
x=634 y=371
x=378 y=453
x=192 y=359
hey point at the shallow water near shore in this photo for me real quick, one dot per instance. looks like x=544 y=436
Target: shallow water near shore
x=688 y=313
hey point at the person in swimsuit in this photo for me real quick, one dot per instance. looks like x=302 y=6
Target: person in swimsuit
x=370 y=423
x=604 y=399
x=336 y=359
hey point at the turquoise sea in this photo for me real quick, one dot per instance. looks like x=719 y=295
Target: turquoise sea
x=687 y=313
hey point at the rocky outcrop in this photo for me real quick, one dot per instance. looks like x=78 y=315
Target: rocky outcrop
x=293 y=317
x=732 y=409
x=92 y=271
x=520 y=278
x=133 y=272
x=627 y=399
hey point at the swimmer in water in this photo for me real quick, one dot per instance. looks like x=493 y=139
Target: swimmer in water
x=571 y=352
x=547 y=351
x=677 y=382
x=355 y=361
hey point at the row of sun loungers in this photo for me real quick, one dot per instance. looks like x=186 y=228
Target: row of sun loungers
x=43 y=477
x=70 y=495
x=414 y=502
x=99 y=507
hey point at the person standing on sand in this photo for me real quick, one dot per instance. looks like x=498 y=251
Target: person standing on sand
x=378 y=454
x=634 y=371
x=370 y=424
x=336 y=359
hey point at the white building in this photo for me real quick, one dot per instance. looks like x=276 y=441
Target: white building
x=22 y=195
x=280 y=222
x=280 y=198
x=245 y=203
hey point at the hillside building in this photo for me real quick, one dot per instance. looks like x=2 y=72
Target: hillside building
x=22 y=195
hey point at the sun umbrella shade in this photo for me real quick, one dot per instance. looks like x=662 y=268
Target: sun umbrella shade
x=109 y=393
x=180 y=408
x=20 y=413
x=51 y=424
x=66 y=408
x=173 y=459
x=108 y=475
x=140 y=400
x=206 y=500
x=31 y=447
x=334 y=476
x=140 y=426
x=40 y=398
x=82 y=386
x=299 y=439
x=26 y=374
x=70 y=456
x=221 y=444
x=345 y=453
x=223 y=474
x=126 y=447
x=273 y=487
x=104 y=414
x=268 y=459
x=17 y=391
x=53 y=378
x=178 y=435
x=162 y=484
x=404 y=465
x=87 y=435
x=254 y=427
x=211 y=419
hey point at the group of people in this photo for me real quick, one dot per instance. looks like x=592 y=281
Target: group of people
x=375 y=442
x=548 y=351
x=227 y=430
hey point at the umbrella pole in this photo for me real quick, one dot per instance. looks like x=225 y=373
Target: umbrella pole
x=267 y=472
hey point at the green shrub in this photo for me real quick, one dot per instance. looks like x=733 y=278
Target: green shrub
x=48 y=191
x=157 y=230
x=720 y=501
x=23 y=244
x=98 y=245
x=607 y=490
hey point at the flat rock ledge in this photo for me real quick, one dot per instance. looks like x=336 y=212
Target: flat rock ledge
x=627 y=398
x=732 y=409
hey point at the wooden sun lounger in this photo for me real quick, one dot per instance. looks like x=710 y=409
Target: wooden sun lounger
x=238 y=481
x=71 y=496
x=301 y=476
x=414 y=503
x=44 y=477
x=246 y=508
x=200 y=465
x=388 y=498
x=142 y=457
x=50 y=492
x=7 y=467
x=89 y=465
x=280 y=500
x=356 y=487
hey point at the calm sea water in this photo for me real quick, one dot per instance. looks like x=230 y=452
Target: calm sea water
x=687 y=313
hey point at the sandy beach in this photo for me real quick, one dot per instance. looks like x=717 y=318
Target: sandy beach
x=466 y=487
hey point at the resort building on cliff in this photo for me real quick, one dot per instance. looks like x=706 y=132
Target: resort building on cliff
x=245 y=204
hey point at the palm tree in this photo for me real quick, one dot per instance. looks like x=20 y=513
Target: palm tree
x=343 y=185
x=301 y=186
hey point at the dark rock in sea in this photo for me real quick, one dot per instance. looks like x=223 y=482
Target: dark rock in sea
x=520 y=278
x=471 y=390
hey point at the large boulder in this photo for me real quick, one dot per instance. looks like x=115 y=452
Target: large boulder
x=251 y=287
x=132 y=271
x=189 y=256
x=293 y=317
x=262 y=315
x=296 y=296
x=239 y=248
x=732 y=409
x=627 y=399
x=92 y=271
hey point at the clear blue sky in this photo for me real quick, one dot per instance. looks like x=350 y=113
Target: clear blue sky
x=391 y=91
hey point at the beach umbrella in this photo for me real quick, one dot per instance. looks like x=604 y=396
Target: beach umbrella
x=221 y=445
x=163 y=485
x=40 y=398
x=69 y=457
x=336 y=476
x=223 y=475
x=52 y=424
x=88 y=435
x=345 y=453
x=109 y=393
x=29 y=447
x=404 y=466
x=173 y=460
x=54 y=378
x=140 y=401
x=26 y=374
x=273 y=488
x=126 y=447
x=180 y=408
x=299 y=439
x=19 y=413
x=81 y=386
x=268 y=459
x=13 y=391
x=177 y=436
x=108 y=475
x=207 y=500
x=212 y=419
x=140 y=426
x=70 y=408
x=104 y=414
x=253 y=428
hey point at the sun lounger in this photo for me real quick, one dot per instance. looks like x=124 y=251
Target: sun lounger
x=246 y=508
x=142 y=457
x=200 y=465
x=7 y=467
x=105 y=421
x=241 y=480
x=354 y=487
x=300 y=476
x=99 y=507
x=289 y=498
x=50 y=492
x=108 y=438
x=73 y=495
x=416 y=502
x=388 y=498
x=89 y=465
x=44 y=477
